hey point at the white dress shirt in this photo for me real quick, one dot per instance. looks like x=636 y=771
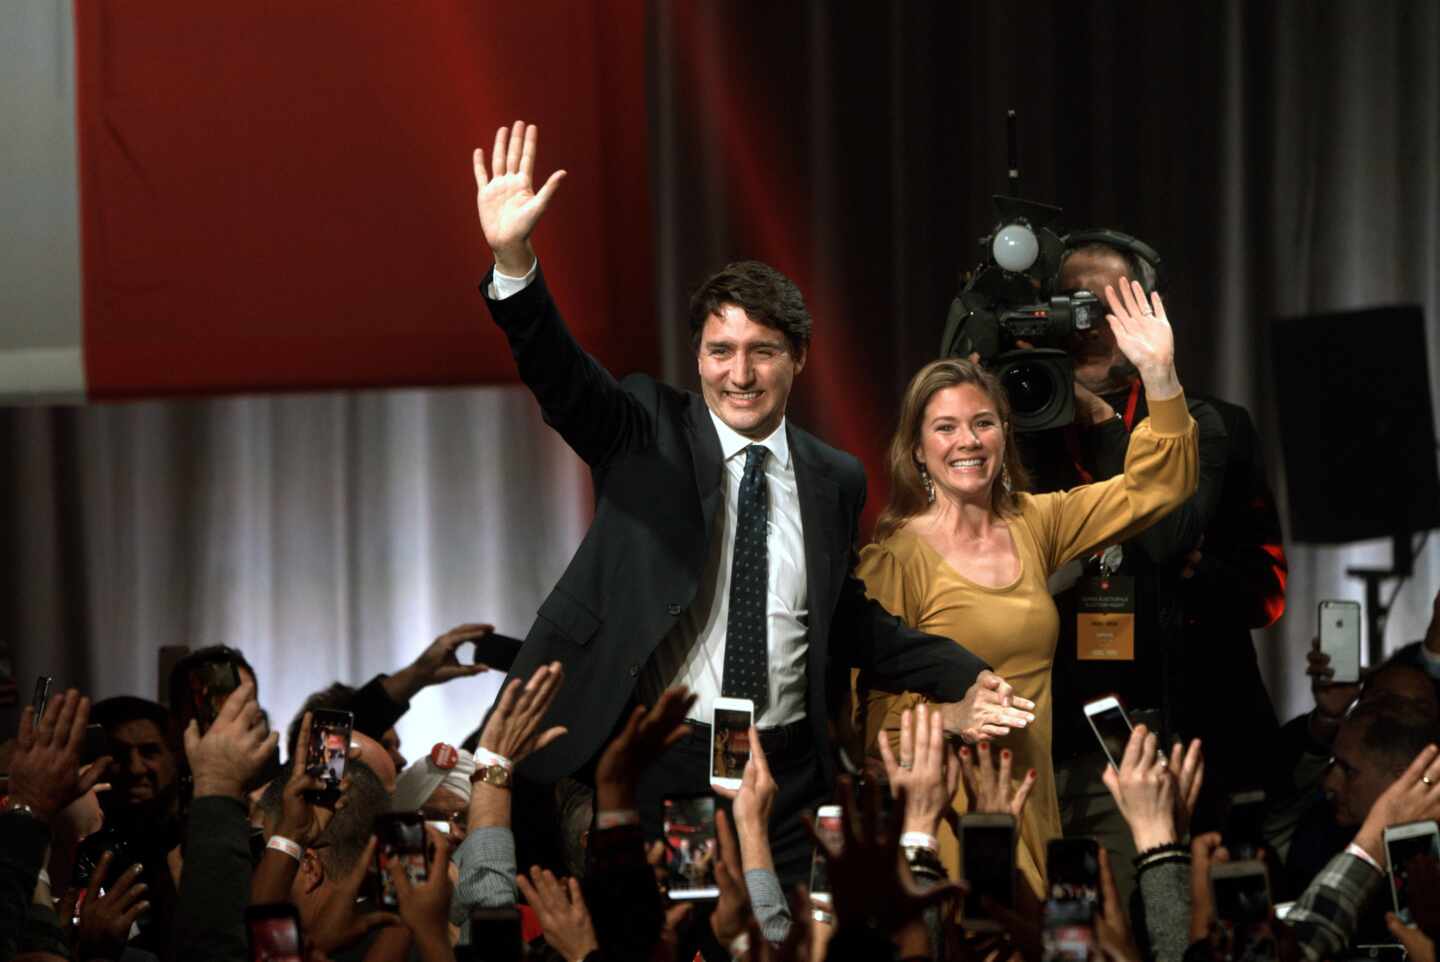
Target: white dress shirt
x=693 y=652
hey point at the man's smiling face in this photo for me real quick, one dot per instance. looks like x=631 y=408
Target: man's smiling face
x=746 y=371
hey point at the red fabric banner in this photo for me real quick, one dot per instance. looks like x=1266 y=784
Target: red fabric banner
x=278 y=196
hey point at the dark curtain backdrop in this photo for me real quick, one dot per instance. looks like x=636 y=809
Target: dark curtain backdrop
x=1284 y=158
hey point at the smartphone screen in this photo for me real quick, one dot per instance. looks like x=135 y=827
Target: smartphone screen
x=730 y=743
x=1069 y=932
x=1242 y=900
x=1340 y=639
x=329 y=747
x=1112 y=727
x=1244 y=821
x=209 y=684
x=400 y=836
x=1073 y=867
x=988 y=862
x=827 y=826
x=1401 y=851
x=274 y=932
x=690 y=846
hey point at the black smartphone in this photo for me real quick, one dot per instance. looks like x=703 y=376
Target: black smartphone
x=400 y=836
x=495 y=936
x=688 y=824
x=96 y=744
x=1241 y=896
x=1073 y=867
x=1243 y=830
x=87 y=861
x=274 y=933
x=329 y=749
x=42 y=696
x=209 y=684
x=987 y=862
x=495 y=650
x=1069 y=931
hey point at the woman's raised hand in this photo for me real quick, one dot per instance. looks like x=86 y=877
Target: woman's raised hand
x=1143 y=334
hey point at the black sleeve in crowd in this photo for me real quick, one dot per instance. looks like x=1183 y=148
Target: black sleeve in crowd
x=215 y=883
x=1248 y=567
x=23 y=841
x=1168 y=540
x=375 y=712
x=43 y=933
x=621 y=893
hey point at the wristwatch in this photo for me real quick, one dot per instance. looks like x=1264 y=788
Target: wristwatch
x=496 y=775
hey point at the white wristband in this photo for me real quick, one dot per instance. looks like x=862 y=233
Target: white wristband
x=919 y=840
x=1365 y=857
x=281 y=844
x=484 y=758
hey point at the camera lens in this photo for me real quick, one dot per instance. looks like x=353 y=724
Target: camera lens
x=1030 y=388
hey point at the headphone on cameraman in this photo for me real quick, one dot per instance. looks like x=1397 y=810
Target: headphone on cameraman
x=1145 y=256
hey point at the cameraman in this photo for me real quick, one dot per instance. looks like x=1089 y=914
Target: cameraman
x=1203 y=576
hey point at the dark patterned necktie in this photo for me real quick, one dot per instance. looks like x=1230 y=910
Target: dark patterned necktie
x=747 y=672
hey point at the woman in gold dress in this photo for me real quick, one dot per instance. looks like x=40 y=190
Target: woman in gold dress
x=964 y=552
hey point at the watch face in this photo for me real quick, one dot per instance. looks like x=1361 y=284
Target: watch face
x=497 y=776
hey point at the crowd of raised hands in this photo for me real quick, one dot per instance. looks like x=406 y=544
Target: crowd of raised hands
x=888 y=894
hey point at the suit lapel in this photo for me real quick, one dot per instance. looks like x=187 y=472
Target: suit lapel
x=706 y=456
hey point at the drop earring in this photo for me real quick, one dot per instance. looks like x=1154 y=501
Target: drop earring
x=929 y=484
x=1005 y=477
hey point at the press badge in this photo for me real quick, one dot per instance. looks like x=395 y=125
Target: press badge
x=1105 y=619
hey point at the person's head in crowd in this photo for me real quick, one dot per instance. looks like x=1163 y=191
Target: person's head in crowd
x=751 y=333
x=341 y=696
x=575 y=805
x=1376 y=742
x=145 y=772
x=1100 y=365
x=953 y=413
x=438 y=786
x=1397 y=681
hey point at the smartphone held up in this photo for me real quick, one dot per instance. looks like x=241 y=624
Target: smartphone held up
x=329 y=748
x=730 y=741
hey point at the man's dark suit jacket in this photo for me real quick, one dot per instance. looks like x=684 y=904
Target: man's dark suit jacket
x=655 y=459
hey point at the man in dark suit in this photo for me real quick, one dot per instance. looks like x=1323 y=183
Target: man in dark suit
x=720 y=556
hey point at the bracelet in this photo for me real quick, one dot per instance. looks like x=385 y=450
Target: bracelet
x=616 y=818
x=1161 y=858
x=1160 y=850
x=281 y=844
x=919 y=840
x=484 y=758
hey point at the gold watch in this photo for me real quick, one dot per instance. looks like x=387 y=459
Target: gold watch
x=496 y=775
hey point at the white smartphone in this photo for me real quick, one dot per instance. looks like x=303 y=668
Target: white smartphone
x=1111 y=725
x=1340 y=639
x=1402 y=843
x=827 y=826
x=730 y=741
x=987 y=863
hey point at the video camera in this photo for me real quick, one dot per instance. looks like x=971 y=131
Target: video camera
x=1010 y=298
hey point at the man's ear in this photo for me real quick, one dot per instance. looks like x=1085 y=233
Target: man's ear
x=802 y=354
x=312 y=872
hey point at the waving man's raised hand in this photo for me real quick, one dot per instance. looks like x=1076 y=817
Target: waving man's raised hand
x=508 y=202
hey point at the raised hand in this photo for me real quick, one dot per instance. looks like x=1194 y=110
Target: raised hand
x=425 y=908
x=990 y=785
x=1332 y=699
x=45 y=770
x=561 y=911
x=339 y=924
x=508 y=203
x=1413 y=797
x=437 y=664
x=233 y=749
x=105 y=920
x=301 y=820
x=753 y=802
x=990 y=709
x=1144 y=791
x=1188 y=767
x=648 y=732
x=925 y=774
x=1143 y=334
x=513 y=727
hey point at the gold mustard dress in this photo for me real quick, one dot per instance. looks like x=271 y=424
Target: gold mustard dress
x=1014 y=627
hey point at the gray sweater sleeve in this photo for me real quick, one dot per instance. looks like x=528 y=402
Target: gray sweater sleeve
x=1165 y=890
x=486 y=864
x=767 y=899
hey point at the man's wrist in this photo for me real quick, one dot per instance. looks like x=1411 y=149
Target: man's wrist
x=489 y=806
x=612 y=796
x=404 y=685
x=514 y=261
x=206 y=786
x=920 y=824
